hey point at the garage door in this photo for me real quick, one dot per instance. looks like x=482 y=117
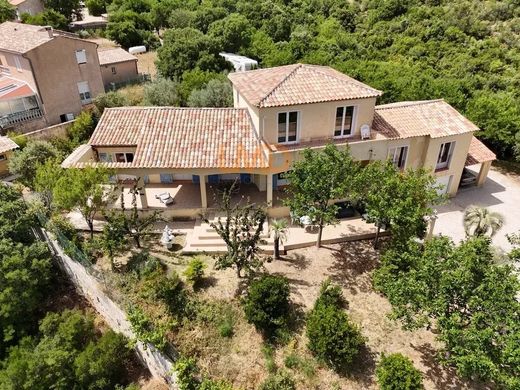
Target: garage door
x=445 y=182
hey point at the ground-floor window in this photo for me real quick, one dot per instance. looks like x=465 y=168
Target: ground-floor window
x=398 y=156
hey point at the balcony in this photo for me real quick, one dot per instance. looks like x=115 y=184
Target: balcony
x=4 y=70
x=20 y=117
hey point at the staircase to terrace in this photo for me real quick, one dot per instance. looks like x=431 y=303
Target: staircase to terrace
x=203 y=238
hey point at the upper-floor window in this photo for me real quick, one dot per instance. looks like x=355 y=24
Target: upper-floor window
x=18 y=63
x=84 y=92
x=344 y=119
x=125 y=157
x=398 y=155
x=114 y=70
x=105 y=157
x=288 y=123
x=81 y=56
x=445 y=153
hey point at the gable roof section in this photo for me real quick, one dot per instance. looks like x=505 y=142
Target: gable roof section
x=7 y=144
x=434 y=118
x=113 y=56
x=298 y=84
x=172 y=137
x=479 y=153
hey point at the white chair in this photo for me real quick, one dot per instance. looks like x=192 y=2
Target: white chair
x=165 y=198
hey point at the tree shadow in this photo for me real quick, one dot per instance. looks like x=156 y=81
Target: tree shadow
x=363 y=368
x=296 y=260
x=205 y=282
x=443 y=376
x=353 y=264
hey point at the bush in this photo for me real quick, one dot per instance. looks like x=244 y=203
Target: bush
x=17 y=138
x=143 y=264
x=186 y=370
x=279 y=381
x=24 y=162
x=332 y=338
x=266 y=305
x=217 y=93
x=82 y=128
x=195 y=271
x=96 y=7
x=161 y=92
x=210 y=384
x=396 y=372
x=170 y=290
x=109 y=100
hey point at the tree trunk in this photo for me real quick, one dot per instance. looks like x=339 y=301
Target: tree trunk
x=277 y=249
x=137 y=241
x=376 y=239
x=320 y=231
x=90 y=224
x=238 y=272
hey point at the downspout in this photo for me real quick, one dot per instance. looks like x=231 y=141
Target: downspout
x=40 y=98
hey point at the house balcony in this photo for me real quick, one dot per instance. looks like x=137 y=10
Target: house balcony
x=12 y=119
x=5 y=71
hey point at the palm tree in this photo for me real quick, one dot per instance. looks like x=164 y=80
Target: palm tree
x=279 y=228
x=479 y=221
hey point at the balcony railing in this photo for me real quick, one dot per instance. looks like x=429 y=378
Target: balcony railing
x=20 y=117
x=5 y=70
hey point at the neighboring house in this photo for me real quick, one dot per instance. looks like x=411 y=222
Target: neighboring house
x=47 y=76
x=117 y=65
x=31 y=7
x=7 y=146
x=278 y=112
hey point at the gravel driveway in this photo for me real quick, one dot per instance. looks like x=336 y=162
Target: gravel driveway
x=501 y=193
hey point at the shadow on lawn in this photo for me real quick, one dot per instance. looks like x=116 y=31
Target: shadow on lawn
x=353 y=264
x=444 y=377
x=296 y=260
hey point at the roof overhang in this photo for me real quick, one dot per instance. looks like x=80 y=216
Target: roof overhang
x=479 y=153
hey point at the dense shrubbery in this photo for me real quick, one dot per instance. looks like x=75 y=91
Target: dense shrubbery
x=396 y=372
x=266 y=305
x=188 y=377
x=333 y=339
x=279 y=381
x=195 y=271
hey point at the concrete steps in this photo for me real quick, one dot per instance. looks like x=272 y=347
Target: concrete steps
x=203 y=238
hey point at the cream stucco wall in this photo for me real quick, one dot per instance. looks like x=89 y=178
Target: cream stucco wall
x=24 y=73
x=31 y=7
x=316 y=120
x=124 y=71
x=57 y=75
x=4 y=170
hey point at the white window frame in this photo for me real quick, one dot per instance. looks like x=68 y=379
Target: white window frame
x=84 y=92
x=446 y=164
x=81 y=56
x=393 y=155
x=298 y=125
x=18 y=64
x=105 y=157
x=352 y=125
x=125 y=154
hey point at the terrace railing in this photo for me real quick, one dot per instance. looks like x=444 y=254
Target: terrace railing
x=20 y=117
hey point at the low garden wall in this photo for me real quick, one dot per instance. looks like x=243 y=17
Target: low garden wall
x=159 y=365
x=59 y=130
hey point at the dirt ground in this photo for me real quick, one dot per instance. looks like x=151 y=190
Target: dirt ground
x=350 y=265
x=146 y=63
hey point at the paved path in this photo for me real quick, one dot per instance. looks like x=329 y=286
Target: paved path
x=500 y=193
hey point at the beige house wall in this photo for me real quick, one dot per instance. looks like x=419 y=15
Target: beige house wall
x=58 y=73
x=4 y=170
x=240 y=102
x=124 y=71
x=31 y=7
x=24 y=73
x=317 y=120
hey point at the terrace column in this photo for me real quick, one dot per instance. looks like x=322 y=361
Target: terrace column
x=269 y=188
x=482 y=175
x=203 y=195
x=142 y=193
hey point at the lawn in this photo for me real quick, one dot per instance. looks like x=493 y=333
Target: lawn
x=240 y=355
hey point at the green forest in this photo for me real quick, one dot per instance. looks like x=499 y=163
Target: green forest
x=466 y=52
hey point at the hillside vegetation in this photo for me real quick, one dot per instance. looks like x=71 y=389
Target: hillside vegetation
x=465 y=51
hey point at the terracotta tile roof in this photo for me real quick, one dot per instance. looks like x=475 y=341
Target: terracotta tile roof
x=435 y=118
x=6 y=144
x=172 y=137
x=82 y=153
x=113 y=56
x=12 y=88
x=478 y=153
x=298 y=84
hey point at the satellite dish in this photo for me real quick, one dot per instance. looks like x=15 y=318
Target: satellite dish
x=365 y=131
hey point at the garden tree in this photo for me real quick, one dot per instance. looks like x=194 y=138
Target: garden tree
x=24 y=162
x=333 y=339
x=194 y=79
x=514 y=240
x=113 y=237
x=67 y=355
x=470 y=299
x=97 y=7
x=161 y=92
x=266 y=304
x=480 y=221
x=131 y=223
x=399 y=201
x=186 y=48
x=231 y=33
x=85 y=190
x=48 y=17
x=318 y=178
x=216 y=93
x=15 y=219
x=71 y=9
x=279 y=229
x=109 y=100
x=7 y=11
x=46 y=179
x=25 y=272
x=131 y=27
x=396 y=372
x=82 y=128
x=241 y=230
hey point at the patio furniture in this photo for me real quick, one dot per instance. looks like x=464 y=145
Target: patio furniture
x=345 y=210
x=165 y=198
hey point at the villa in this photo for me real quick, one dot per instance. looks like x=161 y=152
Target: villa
x=180 y=156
